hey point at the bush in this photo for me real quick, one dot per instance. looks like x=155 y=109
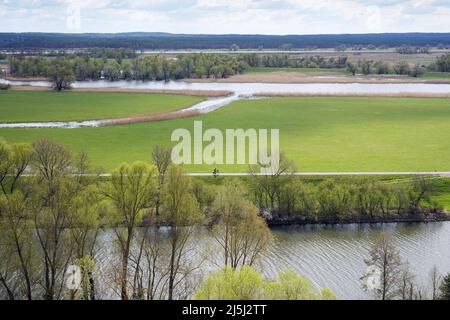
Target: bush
x=442 y=63
x=247 y=284
x=402 y=68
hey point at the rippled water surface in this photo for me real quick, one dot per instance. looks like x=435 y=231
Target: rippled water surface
x=331 y=256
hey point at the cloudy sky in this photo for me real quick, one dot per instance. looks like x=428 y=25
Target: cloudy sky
x=226 y=16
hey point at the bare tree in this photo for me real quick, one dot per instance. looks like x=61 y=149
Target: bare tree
x=436 y=280
x=407 y=286
x=386 y=259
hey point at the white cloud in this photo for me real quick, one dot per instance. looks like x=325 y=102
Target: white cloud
x=228 y=16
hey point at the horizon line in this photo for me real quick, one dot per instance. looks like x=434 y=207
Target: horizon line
x=219 y=34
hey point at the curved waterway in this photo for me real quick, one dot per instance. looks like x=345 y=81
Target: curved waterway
x=238 y=90
x=330 y=256
x=258 y=88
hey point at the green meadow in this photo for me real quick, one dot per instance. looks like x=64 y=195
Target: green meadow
x=436 y=75
x=321 y=134
x=34 y=106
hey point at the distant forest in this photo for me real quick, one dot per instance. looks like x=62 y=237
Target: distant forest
x=161 y=41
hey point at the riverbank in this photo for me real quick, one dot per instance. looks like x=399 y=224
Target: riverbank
x=293 y=77
x=430 y=217
x=192 y=93
x=225 y=93
x=381 y=95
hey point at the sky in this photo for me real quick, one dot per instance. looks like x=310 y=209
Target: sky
x=225 y=16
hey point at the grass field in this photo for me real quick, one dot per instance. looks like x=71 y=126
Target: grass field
x=33 y=106
x=321 y=134
x=436 y=75
x=442 y=192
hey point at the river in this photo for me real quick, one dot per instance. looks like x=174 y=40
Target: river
x=259 y=88
x=330 y=256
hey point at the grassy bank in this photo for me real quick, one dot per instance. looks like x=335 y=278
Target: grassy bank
x=33 y=106
x=302 y=70
x=321 y=134
x=435 y=75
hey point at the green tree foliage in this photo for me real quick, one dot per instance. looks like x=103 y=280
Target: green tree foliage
x=366 y=67
x=402 y=68
x=381 y=67
x=63 y=71
x=159 y=67
x=131 y=190
x=241 y=233
x=341 y=47
x=442 y=63
x=17 y=236
x=248 y=284
x=14 y=160
x=340 y=198
x=181 y=212
x=352 y=68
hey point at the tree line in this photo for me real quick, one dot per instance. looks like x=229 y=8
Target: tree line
x=366 y=67
x=53 y=210
x=158 y=67
x=158 y=41
x=412 y=50
x=291 y=61
x=283 y=195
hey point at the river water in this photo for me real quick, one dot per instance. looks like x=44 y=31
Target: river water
x=334 y=256
x=330 y=256
x=260 y=88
